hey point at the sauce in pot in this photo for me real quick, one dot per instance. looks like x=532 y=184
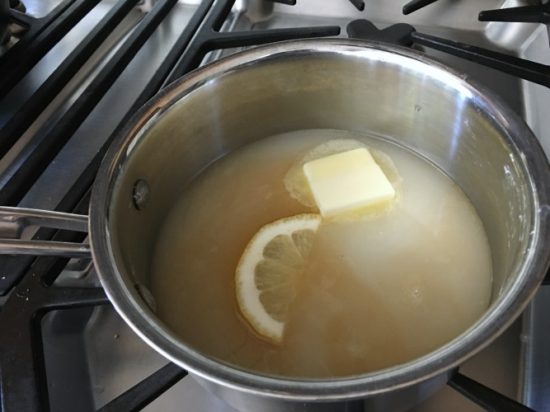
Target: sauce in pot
x=377 y=291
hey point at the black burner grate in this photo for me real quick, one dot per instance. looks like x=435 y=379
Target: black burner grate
x=15 y=126
x=525 y=69
x=149 y=389
x=539 y=13
x=28 y=281
x=41 y=35
x=528 y=14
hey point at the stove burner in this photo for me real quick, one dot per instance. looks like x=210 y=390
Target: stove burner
x=399 y=34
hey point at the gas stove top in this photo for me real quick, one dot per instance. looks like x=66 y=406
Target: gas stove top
x=60 y=105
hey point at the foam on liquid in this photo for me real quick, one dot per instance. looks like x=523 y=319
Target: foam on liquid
x=378 y=292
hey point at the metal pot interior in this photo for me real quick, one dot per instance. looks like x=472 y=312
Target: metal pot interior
x=325 y=85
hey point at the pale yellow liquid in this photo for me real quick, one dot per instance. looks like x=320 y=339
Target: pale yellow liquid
x=378 y=292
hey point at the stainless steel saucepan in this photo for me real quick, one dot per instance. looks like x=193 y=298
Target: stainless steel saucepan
x=335 y=84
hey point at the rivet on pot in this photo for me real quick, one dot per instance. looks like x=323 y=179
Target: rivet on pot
x=140 y=194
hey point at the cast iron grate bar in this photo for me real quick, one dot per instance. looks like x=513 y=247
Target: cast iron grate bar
x=85 y=180
x=145 y=392
x=485 y=397
x=162 y=73
x=32 y=27
x=27 y=54
x=525 y=14
x=209 y=38
x=415 y=5
x=23 y=118
x=358 y=4
x=287 y=2
x=525 y=69
x=20 y=180
x=28 y=22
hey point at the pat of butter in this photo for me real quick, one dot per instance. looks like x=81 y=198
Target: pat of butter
x=347 y=181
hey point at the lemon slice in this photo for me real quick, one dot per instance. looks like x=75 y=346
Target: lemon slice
x=268 y=270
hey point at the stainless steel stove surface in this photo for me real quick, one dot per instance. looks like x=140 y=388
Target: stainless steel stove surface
x=91 y=356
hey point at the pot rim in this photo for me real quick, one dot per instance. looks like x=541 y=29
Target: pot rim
x=145 y=323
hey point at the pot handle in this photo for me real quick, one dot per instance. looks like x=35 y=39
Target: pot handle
x=14 y=219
